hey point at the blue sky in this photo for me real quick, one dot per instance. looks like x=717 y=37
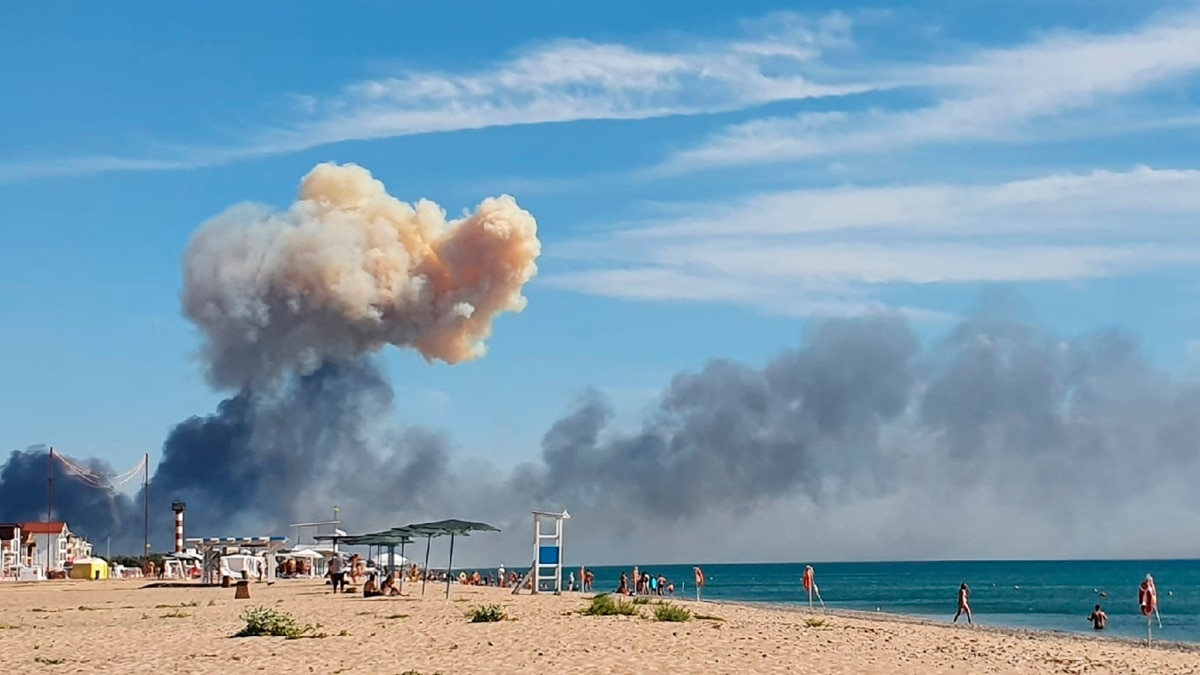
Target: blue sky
x=706 y=177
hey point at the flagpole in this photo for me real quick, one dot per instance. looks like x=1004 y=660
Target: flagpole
x=49 y=503
x=146 y=505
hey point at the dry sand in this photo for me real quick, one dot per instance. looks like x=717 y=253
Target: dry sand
x=119 y=626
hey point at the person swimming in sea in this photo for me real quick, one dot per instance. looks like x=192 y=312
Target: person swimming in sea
x=964 y=606
x=1098 y=618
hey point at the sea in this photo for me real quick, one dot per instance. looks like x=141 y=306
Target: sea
x=1038 y=595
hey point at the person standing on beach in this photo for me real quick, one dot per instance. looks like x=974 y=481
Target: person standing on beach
x=337 y=574
x=1098 y=618
x=964 y=606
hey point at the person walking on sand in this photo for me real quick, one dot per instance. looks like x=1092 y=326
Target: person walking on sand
x=964 y=606
x=337 y=574
x=1098 y=618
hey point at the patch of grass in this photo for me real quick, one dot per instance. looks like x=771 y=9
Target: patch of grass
x=814 y=623
x=605 y=605
x=48 y=661
x=706 y=617
x=176 y=614
x=487 y=614
x=265 y=621
x=194 y=603
x=9 y=626
x=641 y=600
x=673 y=613
x=461 y=599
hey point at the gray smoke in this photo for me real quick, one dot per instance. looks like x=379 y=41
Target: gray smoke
x=999 y=441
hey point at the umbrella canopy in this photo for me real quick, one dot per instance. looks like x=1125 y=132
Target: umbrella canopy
x=452 y=527
x=441 y=528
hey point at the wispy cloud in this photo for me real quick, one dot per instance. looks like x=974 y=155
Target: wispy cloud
x=989 y=95
x=562 y=81
x=825 y=251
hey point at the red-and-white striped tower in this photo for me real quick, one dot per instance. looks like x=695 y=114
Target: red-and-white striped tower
x=178 y=508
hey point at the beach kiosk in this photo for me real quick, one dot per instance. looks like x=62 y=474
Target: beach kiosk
x=89 y=568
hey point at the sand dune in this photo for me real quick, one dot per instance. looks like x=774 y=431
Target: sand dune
x=120 y=627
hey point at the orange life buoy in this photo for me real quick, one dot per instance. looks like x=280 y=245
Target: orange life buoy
x=807 y=580
x=699 y=576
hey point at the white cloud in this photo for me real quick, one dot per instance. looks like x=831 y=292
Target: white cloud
x=562 y=81
x=826 y=251
x=991 y=95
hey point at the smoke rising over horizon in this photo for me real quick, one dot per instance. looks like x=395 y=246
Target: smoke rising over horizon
x=998 y=441
x=1001 y=440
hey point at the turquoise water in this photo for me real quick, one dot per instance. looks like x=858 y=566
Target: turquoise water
x=1055 y=595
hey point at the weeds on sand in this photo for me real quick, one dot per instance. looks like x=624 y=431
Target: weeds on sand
x=641 y=600
x=605 y=605
x=814 y=623
x=194 y=603
x=487 y=614
x=396 y=616
x=265 y=621
x=9 y=626
x=706 y=617
x=176 y=614
x=49 y=661
x=85 y=608
x=673 y=613
x=43 y=610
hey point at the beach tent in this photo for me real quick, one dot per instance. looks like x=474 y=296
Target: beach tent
x=453 y=528
x=89 y=568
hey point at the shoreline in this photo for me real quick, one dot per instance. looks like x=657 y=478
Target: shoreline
x=1012 y=631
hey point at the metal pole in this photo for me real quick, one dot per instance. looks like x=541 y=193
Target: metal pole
x=49 y=504
x=425 y=572
x=450 y=566
x=146 y=505
x=402 y=568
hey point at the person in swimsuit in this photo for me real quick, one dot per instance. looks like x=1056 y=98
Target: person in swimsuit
x=623 y=588
x=964 y=607
x=1098 y=618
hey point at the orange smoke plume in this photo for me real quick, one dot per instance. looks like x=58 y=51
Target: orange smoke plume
x=347 y=270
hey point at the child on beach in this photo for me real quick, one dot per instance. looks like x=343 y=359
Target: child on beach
x=964 y=607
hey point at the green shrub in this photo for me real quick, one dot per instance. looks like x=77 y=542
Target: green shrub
x=272 y=622
x=487 y=614
x=605 y=605
x=669 y=612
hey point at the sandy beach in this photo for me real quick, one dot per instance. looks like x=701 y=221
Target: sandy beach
x=120 y=626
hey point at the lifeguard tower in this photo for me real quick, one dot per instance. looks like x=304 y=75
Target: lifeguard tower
x=547 y=553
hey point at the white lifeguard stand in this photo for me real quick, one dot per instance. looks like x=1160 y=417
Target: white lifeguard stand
x=547 y=550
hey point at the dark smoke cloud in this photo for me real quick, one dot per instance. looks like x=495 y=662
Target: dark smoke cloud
x=999 y=440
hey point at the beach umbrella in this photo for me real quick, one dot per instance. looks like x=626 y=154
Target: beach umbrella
x=453 y=528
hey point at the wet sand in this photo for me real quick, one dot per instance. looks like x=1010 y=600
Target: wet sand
x=122 y=627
